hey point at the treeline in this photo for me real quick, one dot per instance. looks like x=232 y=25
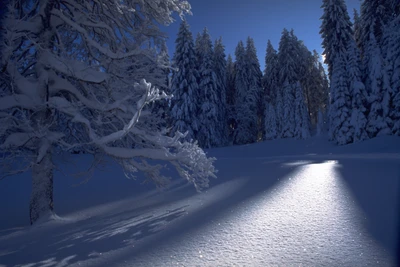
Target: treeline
x=220 y=101
x=364 y=69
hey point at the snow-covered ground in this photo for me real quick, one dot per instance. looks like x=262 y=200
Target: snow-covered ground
x=277 y=203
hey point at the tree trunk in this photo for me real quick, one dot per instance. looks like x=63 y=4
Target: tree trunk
x=41 y=203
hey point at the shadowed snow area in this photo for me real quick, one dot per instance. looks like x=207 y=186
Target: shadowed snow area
x=277 y=203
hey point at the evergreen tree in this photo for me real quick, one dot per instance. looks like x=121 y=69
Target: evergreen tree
x=320 y=123
x=340 y=129
x=245 y=103
x=375 y=15
x=288 y=76
x=3 y=12
x=270 y=78
x=302 y=123
x=165 y=63
x=271 y=130
x=337 y=33
x=210 y=134
x=270 y=85
x=288 y=119
x=378 y=118
x=357 y=28
x=69 y=61
x=310 y=79
x=220 y=69
x=359 y=95
x=158 y=74
x=279 y=113
x=230 y=96
x=316 y=87
x=324 y=93
x=396 y=114
x=391 y=54
x=255 y=89
x=184 y=85
x=165 y=104
x=287 y=59
x=197 y=47
x=336 y=30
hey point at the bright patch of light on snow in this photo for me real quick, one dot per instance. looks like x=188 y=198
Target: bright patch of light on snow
x=297 y=163
x=309 y=217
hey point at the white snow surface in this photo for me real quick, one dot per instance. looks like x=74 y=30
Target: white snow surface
x=276 y=203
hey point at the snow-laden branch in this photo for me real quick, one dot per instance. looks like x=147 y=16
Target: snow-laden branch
x=128 y=153
x=16 y=140
x=71 y=87
x=60 y=84
x=152 y=94
x=107 y=52
x=16 y=100
x=73 y=68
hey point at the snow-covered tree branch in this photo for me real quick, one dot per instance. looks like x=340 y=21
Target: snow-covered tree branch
x=72 y=80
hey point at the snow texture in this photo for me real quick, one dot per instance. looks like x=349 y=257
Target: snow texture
x=286 y=202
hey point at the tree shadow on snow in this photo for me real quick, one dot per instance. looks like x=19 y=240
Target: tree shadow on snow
x=375 y=186
x=262 y=180
x=82 y=241
x=72 y=243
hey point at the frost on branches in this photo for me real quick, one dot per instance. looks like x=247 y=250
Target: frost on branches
x=69 y=81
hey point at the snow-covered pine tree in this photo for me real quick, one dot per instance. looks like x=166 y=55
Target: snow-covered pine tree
x=3 y=12
x=359 y=95
x=336 y=31
x=395 y=75
x=230 y=97
x=340 y=129
x=391 y=54
x=287 y=58
x=317 y=89
x=73 y=62
x=288 y=76
x=271 y=130
x=254 y=76
x=166 y=65
x=210 y=132
x=270 y=78
x=197 y=45
x=270 y=84
x=324 y=93
x=220 y=69
x=396 y=114
x=320 y=124
x=279 y=112
x=379 y=122
x=375 y=15
x=185 y=89
x=302 y=123
x=308 y=78
x=288 y=116
x=154 y=68
x=357 y=28
x=245 y=101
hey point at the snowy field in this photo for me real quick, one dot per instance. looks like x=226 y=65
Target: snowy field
x=277 y=203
